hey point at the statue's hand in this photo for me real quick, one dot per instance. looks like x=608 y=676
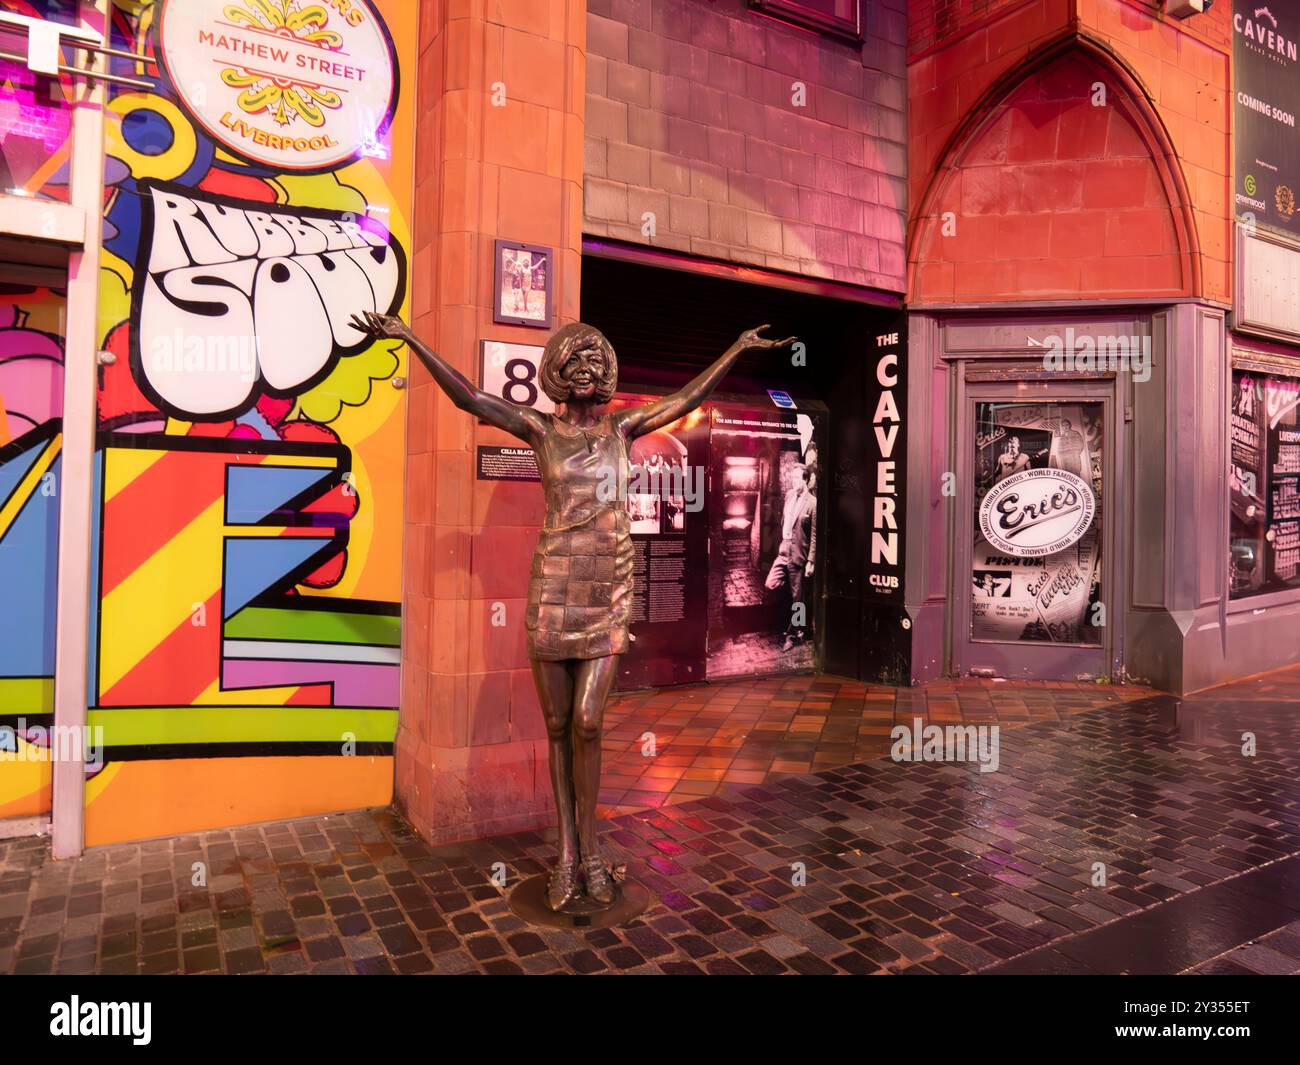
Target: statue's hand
x=381 y=326
x=752 y=339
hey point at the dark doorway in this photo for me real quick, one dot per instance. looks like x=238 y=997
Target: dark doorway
x=668 y=324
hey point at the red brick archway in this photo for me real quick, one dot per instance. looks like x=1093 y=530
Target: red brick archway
x=1044 y=194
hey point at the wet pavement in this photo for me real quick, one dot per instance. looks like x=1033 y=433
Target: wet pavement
x=1189 y=809
x=749 y=731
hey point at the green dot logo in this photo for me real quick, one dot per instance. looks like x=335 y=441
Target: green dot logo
x=1250 y=184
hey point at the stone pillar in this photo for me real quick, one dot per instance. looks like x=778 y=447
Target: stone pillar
x=498 y=156
x=929 y=550
x=1174 y=634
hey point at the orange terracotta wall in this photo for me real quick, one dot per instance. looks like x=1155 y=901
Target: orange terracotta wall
x=471 y=752
x=935 y=22
x=1053 y=197
x=1062 y=175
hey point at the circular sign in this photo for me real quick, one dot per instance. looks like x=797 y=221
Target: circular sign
x=1037 y=512
x=296 y=89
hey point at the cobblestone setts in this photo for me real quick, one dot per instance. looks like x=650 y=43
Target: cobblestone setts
x=743 y=731
x=1276 y=954
x=911 y=868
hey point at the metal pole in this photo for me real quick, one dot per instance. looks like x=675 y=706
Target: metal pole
x=80 y=359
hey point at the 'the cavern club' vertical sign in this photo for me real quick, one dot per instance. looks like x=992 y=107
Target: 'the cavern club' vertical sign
x=886 y=468
x=1266 y=96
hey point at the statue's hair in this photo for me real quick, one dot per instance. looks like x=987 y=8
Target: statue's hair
x=563 y=343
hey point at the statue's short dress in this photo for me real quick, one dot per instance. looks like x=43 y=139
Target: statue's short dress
x=580 y=590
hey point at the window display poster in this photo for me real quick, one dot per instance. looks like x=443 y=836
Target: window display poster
x=763 y=531
x=666 y=500
x=1036 y=567
x=1264 y=485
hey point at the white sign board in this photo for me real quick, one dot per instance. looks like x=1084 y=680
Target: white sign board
x=1037 y=512
x=294 y=88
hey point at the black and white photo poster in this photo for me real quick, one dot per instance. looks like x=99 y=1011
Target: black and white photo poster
x=763 y=531
x=725 y=523
x=1036 y=567
x=1264 y=484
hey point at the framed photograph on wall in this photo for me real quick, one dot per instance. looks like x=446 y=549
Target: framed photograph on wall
x=523 y=284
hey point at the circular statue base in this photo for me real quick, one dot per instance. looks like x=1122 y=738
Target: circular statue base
x=528 y=903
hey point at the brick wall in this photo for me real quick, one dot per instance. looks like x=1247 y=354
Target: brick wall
x=1052 y=198
x=1182 y=74
x=692 y=118
x=471 y=742
x=935 y=22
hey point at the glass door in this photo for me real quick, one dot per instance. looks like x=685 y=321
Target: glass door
x=1034 y=531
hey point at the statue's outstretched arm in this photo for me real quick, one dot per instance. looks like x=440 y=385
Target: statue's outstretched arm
x=636 y=421
x=523 y=422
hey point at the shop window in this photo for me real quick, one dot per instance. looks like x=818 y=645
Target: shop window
x=35 y=110
x=1264 y=544
x=837 y=17
x=61 y=11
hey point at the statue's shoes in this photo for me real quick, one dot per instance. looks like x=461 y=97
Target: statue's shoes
x=600 y=885
x=562 y=887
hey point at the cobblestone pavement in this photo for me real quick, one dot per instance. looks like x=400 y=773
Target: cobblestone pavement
x=1275 y=954
x=919 y=867
x=745 y=731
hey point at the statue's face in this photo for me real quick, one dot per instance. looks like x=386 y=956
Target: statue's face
x=584 y=370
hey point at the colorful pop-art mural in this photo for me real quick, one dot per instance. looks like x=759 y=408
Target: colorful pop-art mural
x=31 y=411
x=248 y=477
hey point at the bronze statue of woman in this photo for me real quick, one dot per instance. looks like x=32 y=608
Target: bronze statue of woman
x=580 y=590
